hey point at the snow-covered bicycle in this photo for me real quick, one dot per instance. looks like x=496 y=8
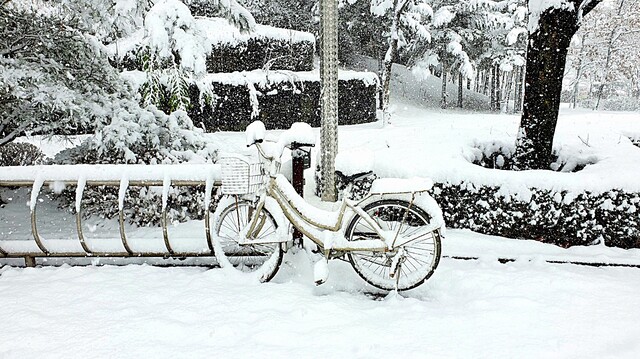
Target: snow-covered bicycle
x=391 y=237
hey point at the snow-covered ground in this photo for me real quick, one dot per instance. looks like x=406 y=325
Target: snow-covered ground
x=477 y=308
x=468 y=309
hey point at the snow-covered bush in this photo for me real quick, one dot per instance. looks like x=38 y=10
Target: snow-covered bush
x=142 y=136
x=20 y=154
x=172 y=53
x=499 y=155
x=230 y=49
x=172 y=48
x=231 y=10
x=549 y=216
x=61 y=82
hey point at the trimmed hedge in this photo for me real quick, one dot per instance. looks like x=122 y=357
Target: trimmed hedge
x=267 y=48
x=254 y=54
x=559 y=218
x=551 y=217
x=281 y=102
x=261 y=52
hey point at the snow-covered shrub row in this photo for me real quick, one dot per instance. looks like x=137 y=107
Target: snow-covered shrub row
x=281 y=98
x=142 y=137
x=262 y=53
x=545 y=214
x=554 y=217
x=213 y=45
x=20 y=154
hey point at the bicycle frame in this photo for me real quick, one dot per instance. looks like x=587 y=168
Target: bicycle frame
x=314 y=230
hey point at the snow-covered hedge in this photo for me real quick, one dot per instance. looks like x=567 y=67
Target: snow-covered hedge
x=549 y=216
x=226 y=49
x=552 y=217
x=280 y=98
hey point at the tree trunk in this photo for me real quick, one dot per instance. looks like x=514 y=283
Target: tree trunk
x=635 y=84
x=509 y=78
x=443 y=99
x=460 y=88
x=546 y=58
x=380 y=75
x=517 y=99
x=498 y=90
x=576 y=85
x=389 y=58
x=475 y=84
x=386 y=81
x=492 y=90
x=485 y=82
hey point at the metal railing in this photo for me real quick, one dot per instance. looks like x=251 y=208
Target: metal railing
x=36 y=184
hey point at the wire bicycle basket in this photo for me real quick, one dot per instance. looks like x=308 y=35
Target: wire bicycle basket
x=240 y=176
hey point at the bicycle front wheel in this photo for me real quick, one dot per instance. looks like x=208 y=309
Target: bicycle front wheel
x=264 y=258
x=421 y=252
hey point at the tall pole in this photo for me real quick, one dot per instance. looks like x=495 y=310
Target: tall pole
x=329 y=96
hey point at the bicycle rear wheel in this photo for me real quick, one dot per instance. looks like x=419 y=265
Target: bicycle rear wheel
x=422 y=252
x=264 y=258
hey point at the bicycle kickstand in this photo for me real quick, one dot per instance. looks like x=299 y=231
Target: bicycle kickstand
x=396 y=265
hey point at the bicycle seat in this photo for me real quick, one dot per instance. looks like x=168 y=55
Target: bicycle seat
x=355 y=177
x=401 y=185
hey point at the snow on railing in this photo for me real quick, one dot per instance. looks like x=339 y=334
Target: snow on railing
x=152 y=175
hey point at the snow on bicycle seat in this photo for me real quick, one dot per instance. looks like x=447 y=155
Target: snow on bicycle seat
x=401 y=185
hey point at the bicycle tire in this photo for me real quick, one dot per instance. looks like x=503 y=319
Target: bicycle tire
x=422 y=253
x=248 y=257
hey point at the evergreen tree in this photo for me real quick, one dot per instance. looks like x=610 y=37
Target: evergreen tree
x=458 y=32
x=53 y=76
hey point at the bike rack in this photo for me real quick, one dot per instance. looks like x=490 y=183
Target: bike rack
x=205 y=178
